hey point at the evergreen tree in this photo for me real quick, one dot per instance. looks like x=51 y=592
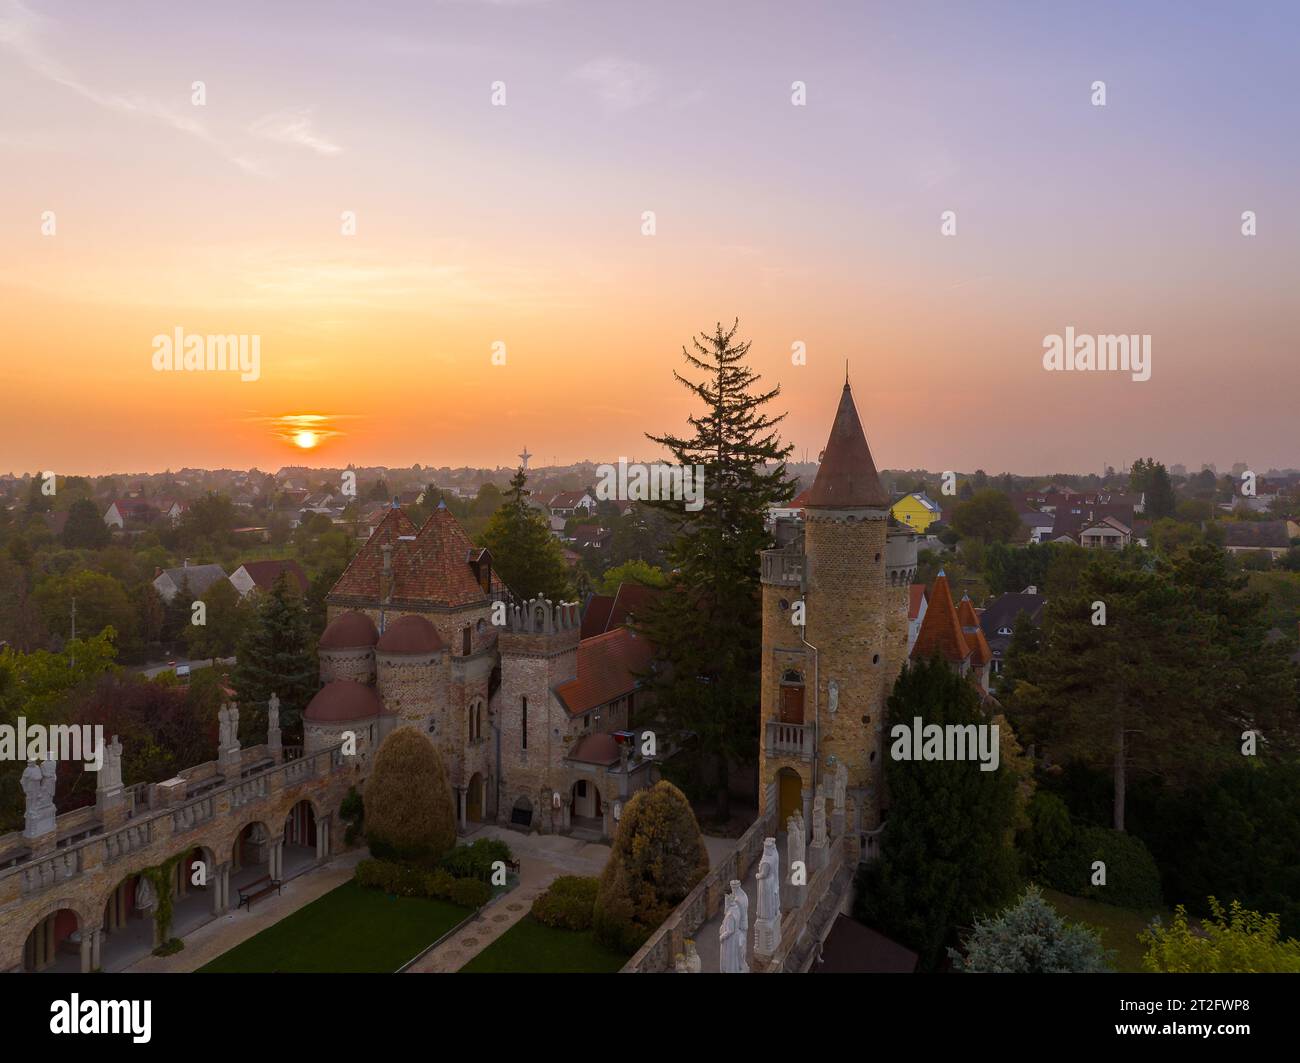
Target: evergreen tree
x=409 y=813
x=707 y=628
x=85 y=527
x=525 y=554
x=273 y=658
x=945 y=854
x=1031 y=938
x=1126 y=692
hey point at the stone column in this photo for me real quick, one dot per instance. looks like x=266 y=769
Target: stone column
x=220 y=889
x=96 y=963
x=277 y=859
x=322 y=837
x=87 y=950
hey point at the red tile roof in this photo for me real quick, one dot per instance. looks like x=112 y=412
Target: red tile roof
x=596 y=616
x=974 y=635
x=630 y=599
x=916 y=595
x=341 y=700
x=265 y=573
x=430 y=566
x=941 y=630
x=606 y=670
x=847 y=477
x=349 y=631
x=410 y=635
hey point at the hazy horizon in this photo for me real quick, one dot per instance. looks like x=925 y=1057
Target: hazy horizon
x=521 y=224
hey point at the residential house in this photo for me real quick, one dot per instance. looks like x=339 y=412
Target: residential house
x=917 y=603
x=197 y=578
x=916 y=511
x=998 y=620
x=1270 y=536
x=261 y=576
x=567 y=504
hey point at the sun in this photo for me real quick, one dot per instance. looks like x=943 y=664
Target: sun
x=305 y=440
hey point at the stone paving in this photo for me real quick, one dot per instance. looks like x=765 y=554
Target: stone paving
x=542 y=859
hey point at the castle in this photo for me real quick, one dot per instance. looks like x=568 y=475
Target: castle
x=835 y=620
x=531 y=721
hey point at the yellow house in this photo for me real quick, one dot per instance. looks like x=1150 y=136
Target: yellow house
x=916 y=510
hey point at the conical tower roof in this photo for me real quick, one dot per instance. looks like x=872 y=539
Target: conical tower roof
x=847 y=477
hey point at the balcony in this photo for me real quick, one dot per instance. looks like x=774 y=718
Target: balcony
x=782 y=568
x=797 y=740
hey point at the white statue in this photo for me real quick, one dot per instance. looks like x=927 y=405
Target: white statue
x=742 y=903
x=731 y=941
x=273 y=713
x=694 y=965
x=834 y=698
x=228 y=722
x=819 y=818
x=33 y=784
x=679 y=965
x=841 y=786
x=794 y=843
x=769 y=881
x=110 y=775
x=144 y=894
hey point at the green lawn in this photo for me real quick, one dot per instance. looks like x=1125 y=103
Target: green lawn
x=1119 y=927
x=348 y=929
x=530 y=947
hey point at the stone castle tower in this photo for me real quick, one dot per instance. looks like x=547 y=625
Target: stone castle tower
x=539 y=652
x=825 y=681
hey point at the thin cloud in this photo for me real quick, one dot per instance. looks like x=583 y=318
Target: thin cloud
x=20 y=31
x=620 y=84
x=293 y=126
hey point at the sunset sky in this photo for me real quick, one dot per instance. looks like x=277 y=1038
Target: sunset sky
x=523 y=224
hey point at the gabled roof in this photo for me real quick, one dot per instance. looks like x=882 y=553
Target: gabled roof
x=595 y=617
x=630 y=598
x=941 y=630
x=434 y=568
x=196 y=578
x=566 y=499
x=916 y=595
x=598 y=748
x=1263 y=533
x=361 y=578
x=1003 y=611
x=265 y=573
x=607 y=667
x=847 y=477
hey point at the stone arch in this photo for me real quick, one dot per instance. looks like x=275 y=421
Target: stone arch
x=42 y=945
x=522 y=811
x=588 y=804
x=243 y=838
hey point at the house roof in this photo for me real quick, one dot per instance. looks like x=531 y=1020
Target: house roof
x=430 y=565
x=630 y=598
x=852 y=948
x=607 y=667
x=595 y=617
x=265 y=573
x=1263 y=533
x=566 y=499
x=847 y=477
x=197 y=578
x=941 y=630
x=916 y=595
x=1004 y=610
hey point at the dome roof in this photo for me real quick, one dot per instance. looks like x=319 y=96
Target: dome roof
x=343 y=699
x=410 y=634
x=349 y=631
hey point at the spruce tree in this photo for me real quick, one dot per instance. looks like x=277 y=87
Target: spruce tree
x=945 y=854
x=707 y=628
x=274 y=658
x=525 y=554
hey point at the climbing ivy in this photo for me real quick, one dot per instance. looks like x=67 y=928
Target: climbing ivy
x=161 y=879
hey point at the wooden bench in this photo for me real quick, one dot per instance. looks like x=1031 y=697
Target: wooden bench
x=256 y=890
x=513 y=865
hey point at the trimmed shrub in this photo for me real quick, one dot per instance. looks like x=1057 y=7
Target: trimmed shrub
x=1132 y=879
x=476 y=860
x=657 y=859
x=470 y=892
x=408 y=806
x=569 y=903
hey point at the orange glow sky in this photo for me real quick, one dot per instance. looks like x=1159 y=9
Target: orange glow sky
x=521 y=224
